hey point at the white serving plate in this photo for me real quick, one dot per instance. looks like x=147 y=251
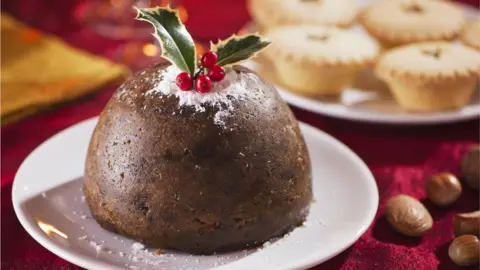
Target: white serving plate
x=47 y=199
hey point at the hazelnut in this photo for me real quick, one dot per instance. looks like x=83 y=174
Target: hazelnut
x=443 y=189
x=465 y=250
x=471 y=167
x=408 y=216
x=467 y=223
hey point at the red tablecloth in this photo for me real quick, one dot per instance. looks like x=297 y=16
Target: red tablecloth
x=400 y=157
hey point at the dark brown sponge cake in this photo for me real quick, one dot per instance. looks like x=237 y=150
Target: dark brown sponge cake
x=218 y=177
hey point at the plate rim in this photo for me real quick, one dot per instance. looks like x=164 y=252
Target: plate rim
x=378 y=118
x=77 y=258
x=85 y=261
x=344 y=112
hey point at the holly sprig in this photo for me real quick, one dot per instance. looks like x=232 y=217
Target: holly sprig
x=177 y=44
x=178 y=47
x=238 y=48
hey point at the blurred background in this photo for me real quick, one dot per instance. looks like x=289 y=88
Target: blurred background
x=57 y=51
x=107 y=27
x=63 y=59
x=40 y=38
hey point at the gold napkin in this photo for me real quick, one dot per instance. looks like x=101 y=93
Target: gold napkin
x=39 y=70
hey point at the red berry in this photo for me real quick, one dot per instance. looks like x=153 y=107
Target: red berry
x=209 y=59
x=184 y=81
x=216 y=73
x=203 y=84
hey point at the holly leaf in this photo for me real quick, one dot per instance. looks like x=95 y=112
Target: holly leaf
x=177 y=44
x=238 y=48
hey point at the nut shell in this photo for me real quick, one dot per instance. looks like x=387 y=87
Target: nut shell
x=443 y=189
x=471 y=167
x=464 y=250
x=467 y=223
x=408 y=216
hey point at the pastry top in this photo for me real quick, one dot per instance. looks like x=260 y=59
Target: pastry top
x=471 y=34
x=405 y=21
x=322 y=45
x=430 y=60
x=277 y=12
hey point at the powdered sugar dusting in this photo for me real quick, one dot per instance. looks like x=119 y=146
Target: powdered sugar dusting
x=98 y=247
x=236 y=86
x=138 y=246
x=220 y=117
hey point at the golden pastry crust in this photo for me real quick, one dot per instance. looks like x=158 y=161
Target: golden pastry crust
x=471 y=34
x=431 y=76
x=317 y=60
x=432 y=96
x=405 y=21
x=321 y=45
x=269 y=13
x=430 y=61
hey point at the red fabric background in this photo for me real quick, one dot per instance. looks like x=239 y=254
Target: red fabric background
x=400 y=157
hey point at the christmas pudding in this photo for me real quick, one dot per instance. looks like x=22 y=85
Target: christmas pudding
x=199 y=159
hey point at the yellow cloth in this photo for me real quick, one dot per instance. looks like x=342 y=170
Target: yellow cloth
x=39 y=70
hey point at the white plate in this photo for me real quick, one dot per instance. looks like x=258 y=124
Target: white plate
x=369 y=100
x=368 y=105
x=47 y=199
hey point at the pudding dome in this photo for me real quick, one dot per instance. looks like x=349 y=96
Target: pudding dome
x=198 y=173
